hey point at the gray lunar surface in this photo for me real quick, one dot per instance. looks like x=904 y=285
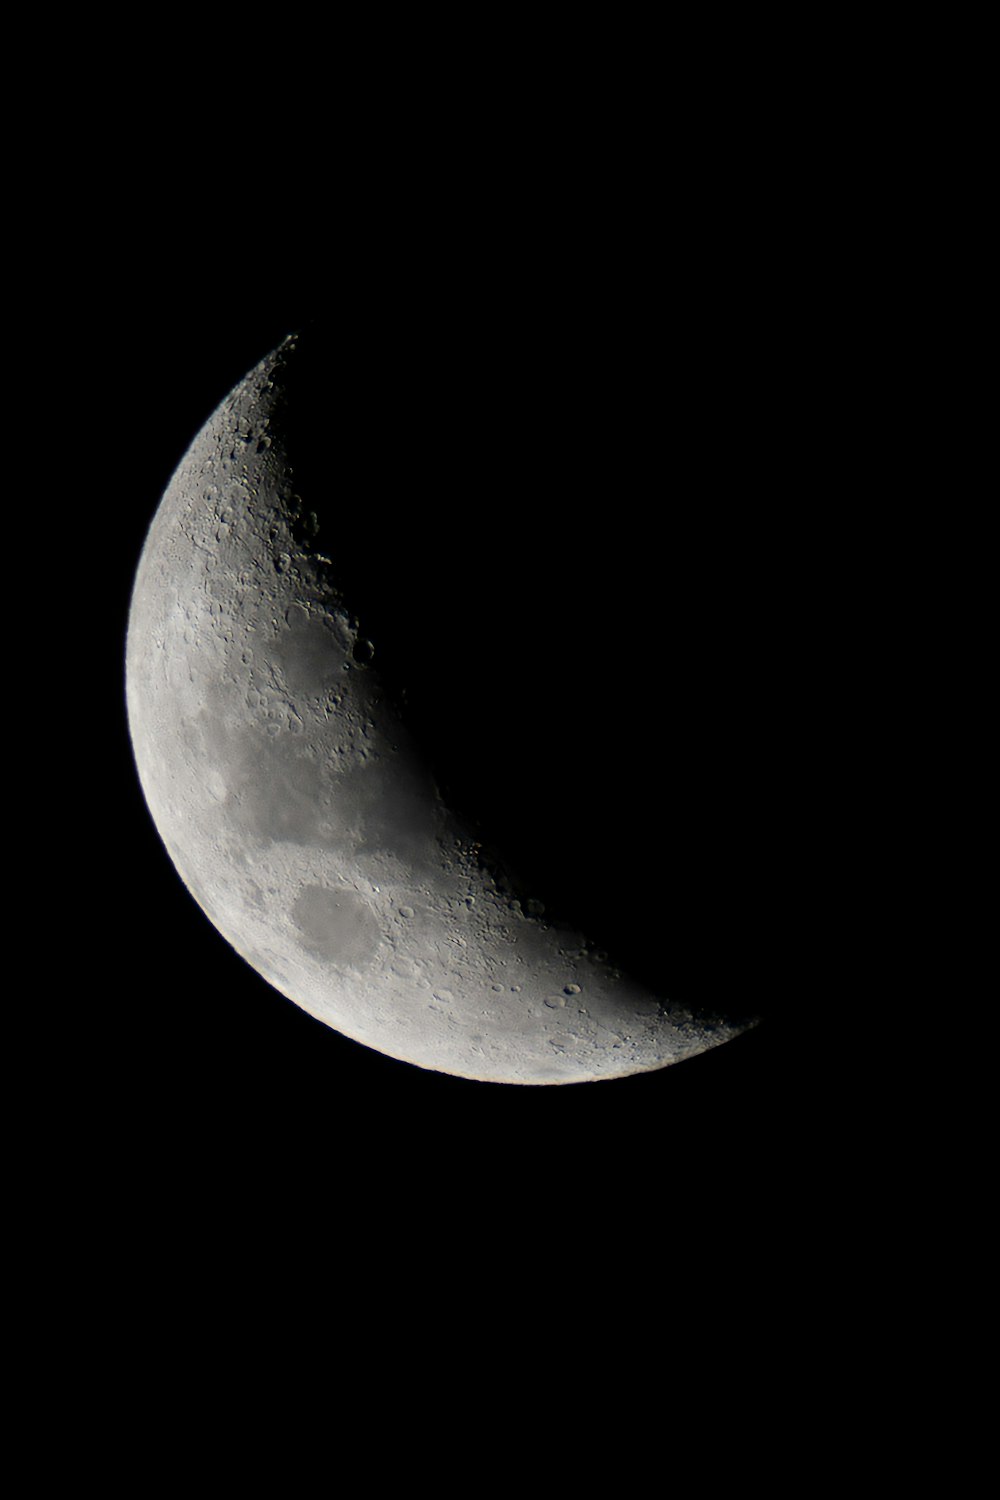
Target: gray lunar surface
x=293 y=802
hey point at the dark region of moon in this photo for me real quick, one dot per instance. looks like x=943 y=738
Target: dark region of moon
x=578 y=617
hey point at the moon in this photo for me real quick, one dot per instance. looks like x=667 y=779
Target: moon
x=282 y=733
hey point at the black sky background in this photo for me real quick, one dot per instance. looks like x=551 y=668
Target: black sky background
x=670 y=284
x=219 y=1086
x=214 y=1178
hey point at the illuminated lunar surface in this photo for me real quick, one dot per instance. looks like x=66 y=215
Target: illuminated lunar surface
x=294 y=799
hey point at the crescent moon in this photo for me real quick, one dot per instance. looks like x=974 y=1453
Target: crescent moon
x=291 y=788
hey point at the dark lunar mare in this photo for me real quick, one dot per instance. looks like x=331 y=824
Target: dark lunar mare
x=577 y=620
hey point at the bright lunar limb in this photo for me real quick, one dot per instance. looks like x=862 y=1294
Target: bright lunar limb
x=291 y=791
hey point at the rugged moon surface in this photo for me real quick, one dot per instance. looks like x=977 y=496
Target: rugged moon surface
x=289 y=784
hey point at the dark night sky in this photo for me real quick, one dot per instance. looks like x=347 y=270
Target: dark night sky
x=672 y=297
x=665 y=303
